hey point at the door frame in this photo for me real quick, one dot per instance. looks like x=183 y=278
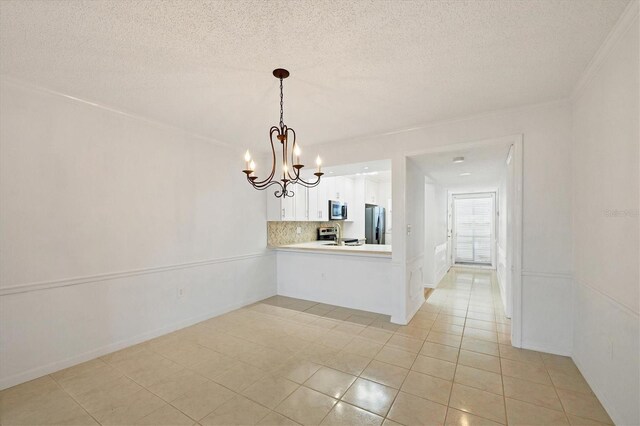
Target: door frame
x=482 y=194
x=514 y=303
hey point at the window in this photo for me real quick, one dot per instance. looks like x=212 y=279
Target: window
x=473 y=228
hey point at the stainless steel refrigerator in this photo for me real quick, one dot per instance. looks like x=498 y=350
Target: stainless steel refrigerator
x=374 y=221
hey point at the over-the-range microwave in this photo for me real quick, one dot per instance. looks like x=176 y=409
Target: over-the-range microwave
x=337 y=210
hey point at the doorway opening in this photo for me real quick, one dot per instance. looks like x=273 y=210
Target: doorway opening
x=482 y=181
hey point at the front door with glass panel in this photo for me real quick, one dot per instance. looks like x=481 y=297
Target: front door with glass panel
x=473 y=228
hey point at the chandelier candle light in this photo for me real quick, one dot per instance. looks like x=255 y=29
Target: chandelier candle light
x=285 y=135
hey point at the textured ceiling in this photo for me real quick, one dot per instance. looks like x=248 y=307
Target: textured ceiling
x=358 y=67
x=486 y=165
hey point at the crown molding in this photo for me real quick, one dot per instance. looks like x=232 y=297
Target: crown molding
x=447 y=121
x=5 y=78
x=624 y=23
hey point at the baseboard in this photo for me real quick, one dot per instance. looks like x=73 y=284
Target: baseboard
x=415 y=308
x=606 y=404
x=606 y=351
x=116 y=346
x=441 y=274
x=545 y=348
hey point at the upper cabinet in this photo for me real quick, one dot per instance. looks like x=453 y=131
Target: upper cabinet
x=371 y=195
x=288 y=208
x=312 y=204
x=318 y=202
x=339 y=188
x=301 y=201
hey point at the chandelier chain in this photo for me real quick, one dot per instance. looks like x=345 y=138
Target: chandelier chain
x=281 y=106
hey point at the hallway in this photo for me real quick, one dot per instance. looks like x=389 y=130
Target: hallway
x=533 y=387
x=290 y=361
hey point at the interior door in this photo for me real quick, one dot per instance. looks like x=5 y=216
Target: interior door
x=473 y=228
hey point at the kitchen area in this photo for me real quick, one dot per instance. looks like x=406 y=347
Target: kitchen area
x=351 y=207
x=333 y=242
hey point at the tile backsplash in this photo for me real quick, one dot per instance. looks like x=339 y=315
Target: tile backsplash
x=280 y=233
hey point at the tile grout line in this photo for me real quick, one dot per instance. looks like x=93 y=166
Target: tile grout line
x=504 y=394
x=75 y=400
x=455 y=370
x=474 y=297
x=401 y=384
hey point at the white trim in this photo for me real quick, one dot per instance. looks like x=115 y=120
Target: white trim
x=608 y=298
x=602 y=397
x=65 y=282
x=470 y=117
x=415 y=259
x=415 y=294
x=473 y=267
x=367 y=256
x=440 y=273
x=586 y=372
x=104 y=350
x=501 y=265
x=544 y=348
x=30 y=86
x=561 y=275
x=621 y=27
x=516 y=253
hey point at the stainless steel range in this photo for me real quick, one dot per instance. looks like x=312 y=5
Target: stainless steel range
x=330 y=233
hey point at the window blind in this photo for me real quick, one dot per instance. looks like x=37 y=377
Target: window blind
x=473 y=221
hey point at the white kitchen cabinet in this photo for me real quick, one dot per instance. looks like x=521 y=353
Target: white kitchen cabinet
x=339 y=189
x=371 y=192
x=348 y=190
x=286 y=209
x=330 y=188
x=300 y=199
x=336 y=188
x=318 y=202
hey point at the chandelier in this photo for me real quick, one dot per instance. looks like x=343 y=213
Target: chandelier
x=291 y=164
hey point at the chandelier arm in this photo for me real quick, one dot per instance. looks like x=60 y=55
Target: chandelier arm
x=267 y=185
x=303 y=182
x=308 y=184
x=273 y=165
x=293 y=177
x=284 y=193
x=293 y=147
x=285 y=147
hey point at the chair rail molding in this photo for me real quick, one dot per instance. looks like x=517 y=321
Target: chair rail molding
x=65 y=282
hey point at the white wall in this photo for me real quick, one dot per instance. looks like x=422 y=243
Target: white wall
x=606 y=230
x=352 y=281
x=415 y=239
x=504 y=241
x=436 y=259
x=546 y=131
x=104 y=216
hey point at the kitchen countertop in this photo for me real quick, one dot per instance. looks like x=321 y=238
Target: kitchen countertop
x=378 y=250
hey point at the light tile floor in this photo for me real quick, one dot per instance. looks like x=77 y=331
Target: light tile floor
x=288 y=361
